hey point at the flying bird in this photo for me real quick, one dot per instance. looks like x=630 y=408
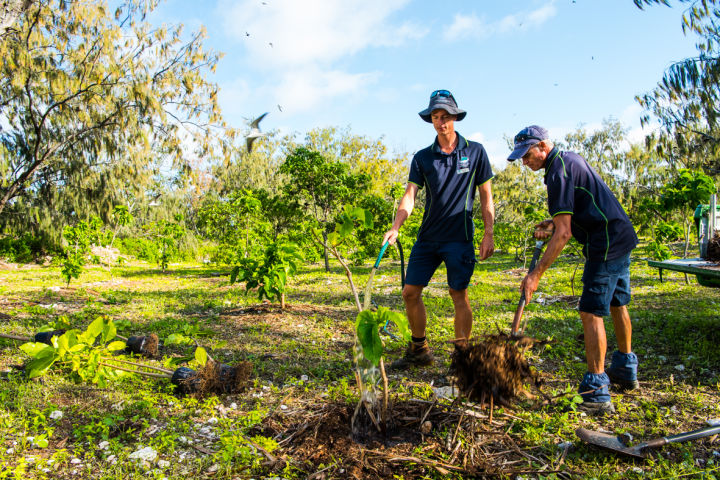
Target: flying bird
x=270 y=43
x=279 y=107
x=255 y=132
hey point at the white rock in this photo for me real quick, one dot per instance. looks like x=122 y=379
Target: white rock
x=10 y=451
x=163 y=463
x=564 y=445
x=637 y=470
x=75 y=461
x=212 y=421
x=111 y=459
x=680 y=367
x=662 y=358
x=445 y=392
x=233 y=405
x=56 y=415
x=304 y=378
x=213 y=468
x=283 y=407
x=182 y=439
x=103 y=445
x=146 y=453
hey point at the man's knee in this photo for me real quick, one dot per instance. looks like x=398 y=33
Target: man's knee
x=459 y=295
x=412 y=293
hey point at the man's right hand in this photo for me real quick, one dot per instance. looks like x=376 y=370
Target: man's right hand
x=390 y=236
x=544 y=230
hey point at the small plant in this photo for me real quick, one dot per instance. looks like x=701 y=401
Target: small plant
x=79 y=238
x=166 y=234
x=270 y=271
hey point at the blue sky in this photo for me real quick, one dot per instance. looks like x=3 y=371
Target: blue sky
x=371 y=64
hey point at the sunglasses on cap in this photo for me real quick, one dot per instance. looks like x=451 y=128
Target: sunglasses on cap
x=521 y=137
x=441 y=93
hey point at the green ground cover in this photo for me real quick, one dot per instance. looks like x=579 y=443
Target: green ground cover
x=292 y=421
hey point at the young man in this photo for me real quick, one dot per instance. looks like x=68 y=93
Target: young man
x=451 y=169
x=582 y=205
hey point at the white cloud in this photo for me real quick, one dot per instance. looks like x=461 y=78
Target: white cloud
x=298 y=45
x=303 y=89
x=471 y=26
x=313 y=31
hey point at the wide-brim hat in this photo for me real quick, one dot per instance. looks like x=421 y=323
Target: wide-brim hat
x=442 y=100
x=526 y=138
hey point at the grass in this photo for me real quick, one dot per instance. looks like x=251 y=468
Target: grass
x=56 y=427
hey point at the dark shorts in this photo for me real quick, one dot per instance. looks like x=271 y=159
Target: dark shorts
x=426 y=257
x=605 y=284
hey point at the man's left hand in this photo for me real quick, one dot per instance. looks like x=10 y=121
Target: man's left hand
x=487 y=247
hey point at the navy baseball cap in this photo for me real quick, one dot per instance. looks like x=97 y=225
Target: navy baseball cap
x=526 y=138
x=442 y=100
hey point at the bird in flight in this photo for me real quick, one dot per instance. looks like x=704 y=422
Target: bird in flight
x=255 y=132
x=279 y=107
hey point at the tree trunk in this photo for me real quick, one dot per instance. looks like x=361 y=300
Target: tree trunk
x=325 y=251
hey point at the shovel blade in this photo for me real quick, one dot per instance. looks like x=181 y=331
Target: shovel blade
x=610 y=442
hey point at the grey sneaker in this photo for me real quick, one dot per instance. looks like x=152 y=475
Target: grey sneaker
x=417 y=354
x=597 y=408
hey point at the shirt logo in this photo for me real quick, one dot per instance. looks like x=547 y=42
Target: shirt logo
x=463 y=165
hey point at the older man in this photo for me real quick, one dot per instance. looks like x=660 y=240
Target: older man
x=582 y=205
x=451 y=169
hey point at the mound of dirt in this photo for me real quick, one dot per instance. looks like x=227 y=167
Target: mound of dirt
x=492 y=368
x=212 y=378
x=713 y=249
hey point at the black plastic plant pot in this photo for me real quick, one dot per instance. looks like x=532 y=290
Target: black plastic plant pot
x=46 y=337
x=186 y=380
x=135 y=345
x=226 y=375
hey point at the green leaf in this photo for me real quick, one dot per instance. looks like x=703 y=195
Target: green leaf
x=92 y=331
x=38 y=366
x=366 y=326
x=109 y=331
x=201 y=356
x=386 y=315
x=177 y=339
x=33 y=348
x=116 y=345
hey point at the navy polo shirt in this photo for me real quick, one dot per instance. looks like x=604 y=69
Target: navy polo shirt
x=599 y=222
x=450 y=180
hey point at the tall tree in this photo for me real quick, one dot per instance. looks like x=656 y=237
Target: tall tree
x=322 y=186
x=10 y=10
x=95 y=101
x=686 y=102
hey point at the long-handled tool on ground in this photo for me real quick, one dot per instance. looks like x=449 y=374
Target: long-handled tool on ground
x=619 y=443
x=515 y=330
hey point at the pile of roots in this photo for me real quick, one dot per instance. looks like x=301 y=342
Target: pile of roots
x=212 y=378
x=713 y=249
x=492 y=369
x=146 y=345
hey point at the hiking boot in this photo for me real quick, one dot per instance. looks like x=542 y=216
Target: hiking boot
x=623 y=370
x=597 y=408
x=595 y=394
x=417 y=354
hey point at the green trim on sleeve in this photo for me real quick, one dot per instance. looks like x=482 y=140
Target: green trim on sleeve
x=558 y=213
x=416 y=184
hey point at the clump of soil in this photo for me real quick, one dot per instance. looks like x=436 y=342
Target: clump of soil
x=147 y=345
x=212 y=378
x=713 y=249
x=493 y=368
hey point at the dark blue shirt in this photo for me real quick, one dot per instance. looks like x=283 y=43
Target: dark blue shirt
x=451 y=180
x=599 y=222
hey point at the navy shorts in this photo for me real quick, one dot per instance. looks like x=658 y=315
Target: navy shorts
x=605 y=284
x=426 y=257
